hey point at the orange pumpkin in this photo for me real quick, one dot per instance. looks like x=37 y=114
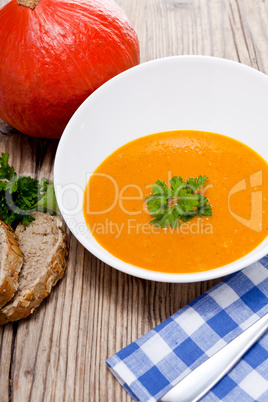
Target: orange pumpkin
x=54 y=54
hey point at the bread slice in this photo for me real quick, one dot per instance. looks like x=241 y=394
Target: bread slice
x=45 y=248
x=11 y=259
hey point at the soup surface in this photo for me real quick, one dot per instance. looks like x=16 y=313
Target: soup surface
x=237 y=189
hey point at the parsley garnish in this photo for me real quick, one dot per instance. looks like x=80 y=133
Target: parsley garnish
x=179 y=202
x=22 y=195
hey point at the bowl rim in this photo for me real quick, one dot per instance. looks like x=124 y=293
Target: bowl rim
x=115 y=262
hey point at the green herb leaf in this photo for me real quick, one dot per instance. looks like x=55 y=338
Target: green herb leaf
x=176 y=184
x=179 y=202
x=6 y=171
x=20 y=196
x=196 y=183
x=48 y=202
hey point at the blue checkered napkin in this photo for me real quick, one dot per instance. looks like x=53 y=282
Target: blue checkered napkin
x=152 y=365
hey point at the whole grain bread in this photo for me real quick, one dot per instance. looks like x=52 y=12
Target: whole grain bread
x=11 y=259
x=45 y=248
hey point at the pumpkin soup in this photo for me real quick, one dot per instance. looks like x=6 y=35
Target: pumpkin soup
x=236 y=187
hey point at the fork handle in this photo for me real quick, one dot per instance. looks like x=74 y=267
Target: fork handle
x=196 y=384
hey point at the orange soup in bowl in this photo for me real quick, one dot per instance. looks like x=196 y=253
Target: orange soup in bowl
x=236 y=188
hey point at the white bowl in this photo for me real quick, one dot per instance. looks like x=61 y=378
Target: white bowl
x=174 y=93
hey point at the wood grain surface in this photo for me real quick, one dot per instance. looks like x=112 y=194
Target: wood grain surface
x=58 y=354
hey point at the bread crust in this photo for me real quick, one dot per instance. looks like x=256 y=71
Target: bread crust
x=21 y=306
x=11 y=264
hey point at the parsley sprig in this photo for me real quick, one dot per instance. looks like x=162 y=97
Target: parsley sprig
x=22 y=195
x=179 y=202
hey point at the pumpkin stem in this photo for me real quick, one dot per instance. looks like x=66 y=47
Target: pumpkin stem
x=28 y=3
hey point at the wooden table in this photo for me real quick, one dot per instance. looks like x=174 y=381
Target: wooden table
x=59 y=353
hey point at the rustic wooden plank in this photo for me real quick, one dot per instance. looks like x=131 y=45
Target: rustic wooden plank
x=233 y=29
x=59 y=353
x=6 y=347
